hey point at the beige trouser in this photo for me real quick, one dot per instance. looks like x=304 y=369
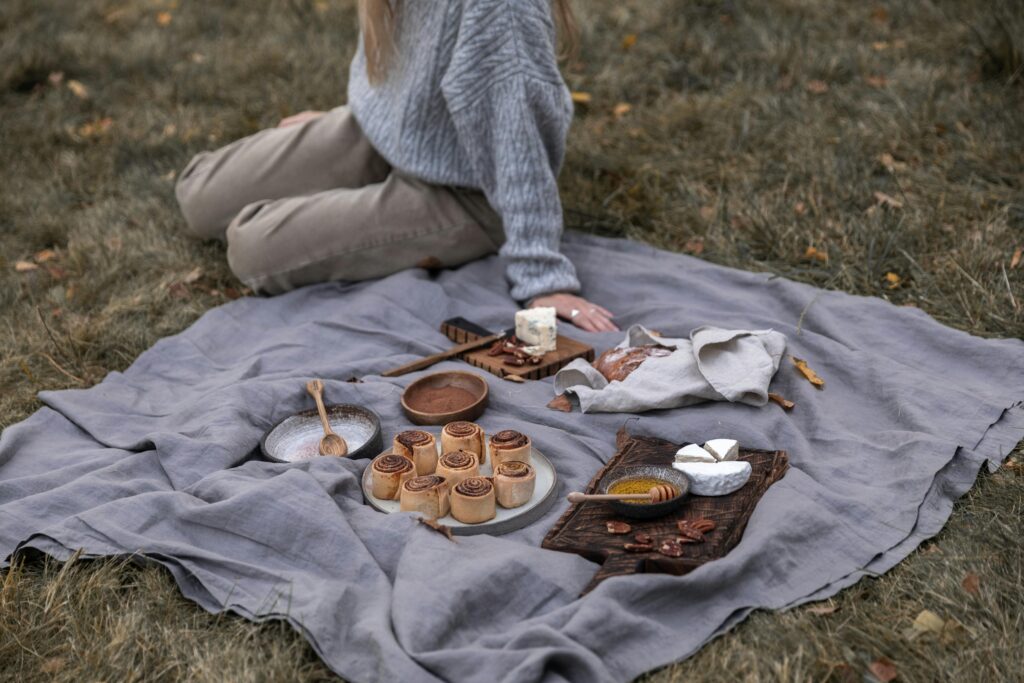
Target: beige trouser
x=315 y=202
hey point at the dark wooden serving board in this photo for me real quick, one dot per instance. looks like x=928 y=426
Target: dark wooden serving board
x=553 y=361
x=582 y=529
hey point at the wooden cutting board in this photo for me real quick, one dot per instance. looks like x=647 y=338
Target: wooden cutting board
x=582 y=529
x=553 y=361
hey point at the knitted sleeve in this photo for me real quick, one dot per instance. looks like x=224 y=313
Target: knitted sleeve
x=512 y=112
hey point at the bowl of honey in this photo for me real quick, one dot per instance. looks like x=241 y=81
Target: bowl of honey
x=641 y=479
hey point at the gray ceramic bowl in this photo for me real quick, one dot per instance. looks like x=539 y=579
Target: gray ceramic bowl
x=646 y=510
x=297 y=438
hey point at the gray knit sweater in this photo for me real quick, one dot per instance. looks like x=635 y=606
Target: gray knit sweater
x=474 y=98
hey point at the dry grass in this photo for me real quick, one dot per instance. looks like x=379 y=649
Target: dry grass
x=756 y=130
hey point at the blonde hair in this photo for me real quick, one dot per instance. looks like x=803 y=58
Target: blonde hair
x=377 y=23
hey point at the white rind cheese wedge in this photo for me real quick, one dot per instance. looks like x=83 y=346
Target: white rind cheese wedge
x=715 y=479
x=538 y=329
x=723 y=449
x=694 y=453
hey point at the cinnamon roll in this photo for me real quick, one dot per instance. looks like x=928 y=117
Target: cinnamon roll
x=388 y=472
x=472 y=500
x=514 y=482
x=464 y=436
x=418 y=446
x=427 y=495
x=457 y=465
x=510 y=445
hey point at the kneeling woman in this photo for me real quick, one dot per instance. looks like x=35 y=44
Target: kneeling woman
x=448 y=150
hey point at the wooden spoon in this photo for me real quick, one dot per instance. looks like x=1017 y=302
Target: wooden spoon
x=331 y=444
x=657 y=494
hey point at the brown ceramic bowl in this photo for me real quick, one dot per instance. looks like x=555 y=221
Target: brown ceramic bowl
x=445 y=397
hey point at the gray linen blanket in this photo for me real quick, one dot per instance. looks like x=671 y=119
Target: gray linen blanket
x=159 y=460
x=712 y=365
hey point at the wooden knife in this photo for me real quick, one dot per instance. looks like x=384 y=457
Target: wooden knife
x=444 y=355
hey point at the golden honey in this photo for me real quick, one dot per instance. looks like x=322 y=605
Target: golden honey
x=641 y=485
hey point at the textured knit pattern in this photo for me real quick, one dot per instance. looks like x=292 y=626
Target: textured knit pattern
x=475 y=99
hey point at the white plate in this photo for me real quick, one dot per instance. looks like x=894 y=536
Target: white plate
x=505 y=520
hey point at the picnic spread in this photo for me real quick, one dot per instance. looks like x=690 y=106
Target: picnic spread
x=752 y=443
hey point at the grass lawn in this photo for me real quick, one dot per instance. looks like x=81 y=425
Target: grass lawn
x=876 y=148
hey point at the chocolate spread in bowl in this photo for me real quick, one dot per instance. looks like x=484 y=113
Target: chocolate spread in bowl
x=445 y=399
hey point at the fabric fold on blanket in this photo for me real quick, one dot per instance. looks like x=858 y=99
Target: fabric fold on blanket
x=160 y=462
x=711 y=365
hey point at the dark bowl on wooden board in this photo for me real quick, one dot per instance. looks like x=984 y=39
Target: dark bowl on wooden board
x=425 y=401
x=296 y=438
x=675 y=478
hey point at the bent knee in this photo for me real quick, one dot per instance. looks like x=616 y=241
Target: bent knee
x=248 y=256
x=202 y=209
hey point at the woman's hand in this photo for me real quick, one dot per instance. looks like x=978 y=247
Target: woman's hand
x=301 y=117
x=578 y=311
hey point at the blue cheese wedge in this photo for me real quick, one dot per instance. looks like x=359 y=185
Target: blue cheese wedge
x=694 y=453
x=538 y=329
x=717 y=478
x=723 y=449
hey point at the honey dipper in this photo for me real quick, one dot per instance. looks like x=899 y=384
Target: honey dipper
x=657 y=494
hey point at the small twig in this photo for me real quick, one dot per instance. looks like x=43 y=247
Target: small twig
x=49 y=333
x=59 y=368
x=1006 y=279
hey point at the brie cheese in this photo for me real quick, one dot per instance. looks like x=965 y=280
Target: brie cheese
x=723 y=449
x=694 y=453
x=537 y=328
x=715 y=479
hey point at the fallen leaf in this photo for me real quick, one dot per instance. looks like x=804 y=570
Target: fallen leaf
x=78 y=90
x=45 y=255
x=178 y=290
x=925 y=622
x=629 y=41
x=971 y=583
x=800 y=208
x=708 y=212
x=1015 y=259
x=24 y=266
x=96 y=127
x=816 y=254
x=879 y=45
x=888 y=200
x=893 y=280
x=197 y=57
x=823 y=609
x=442 y=529
x=782 y=401
x=879 y=15
x=694 y=245
x=232 y=293
x=805 y=370
x=889 y=162
x=561 y=403
x=876 y=81
x=321 y=6
x=883 y=669
x=56 y=272
x=52 y=665
x=816 y=87
x=163 y=18
x=55 y=78
x=193 y=275
x=621 y=109
x=581 y=97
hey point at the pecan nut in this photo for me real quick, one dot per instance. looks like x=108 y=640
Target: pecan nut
x=618 y=527
x=638 y=547
x=671 y=548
